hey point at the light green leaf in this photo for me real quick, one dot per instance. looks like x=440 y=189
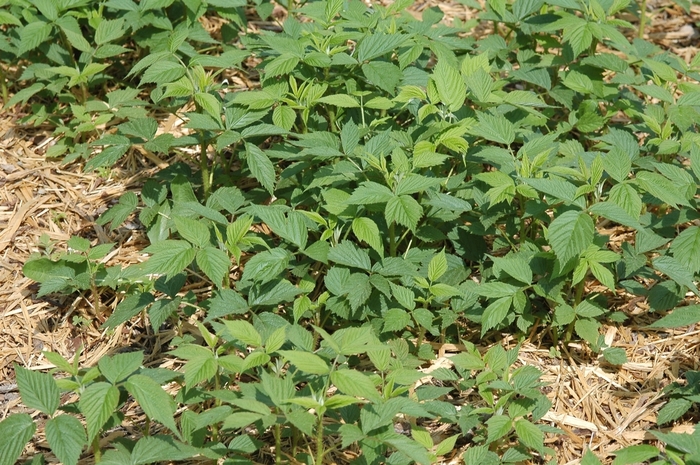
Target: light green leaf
x=109 y=30
x=38 y=390
x=370 y=192
x=529 y=434
x=306 y=362
x=450 y=85
x=169 y=257
x=32 y=35
x=163 y=72
x=494 y=128
x=587 y=330
x=284 y=117
x=340 y=100
x=66 y=437
x=376 y=44
x=118 y=367
x=215 y=264
x=194 y=231
x=266 y=266
x=495 y=313
x=437 y=266
x=98 y=402
x=661 y=188
x=367 y=230
x=570 y=234
x=635 y=454
x=209 y=103
x=355 y=383
x=403 y=210
x=244 y=332
x=159 y=449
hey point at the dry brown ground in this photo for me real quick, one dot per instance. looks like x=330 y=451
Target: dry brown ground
x=598 y=406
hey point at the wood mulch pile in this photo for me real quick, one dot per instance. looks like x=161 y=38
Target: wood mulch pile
x=599 y=406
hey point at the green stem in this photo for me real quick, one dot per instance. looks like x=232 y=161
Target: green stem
x=96 y=449
x=278 y=443
x=579 y=293
x=392 y=239
x=319 y=442
x=642 y=18
x=204 y=168
x=3 y=86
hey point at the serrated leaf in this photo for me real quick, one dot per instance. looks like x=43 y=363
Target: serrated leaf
x=494 y=128
x=403 y=210
x=529 y=434
x=673 y=410
x=15 y=432
x=340 y=100
x=635 y=454
x=497 y=427
x=437 y=266
x=155 y=402
x=686 y=248
x=209 y=103
x=193 y=231
x=215 y=264
x=66 y=437
x=570 y=234
x=495 y=313
x=348 y=254
x=128 y=308
x=118 y=367
x=158 y=449
x=244 y=332
x=355 y=383
x=367 y=230
x=38 y=390
x=450 y=86
x=260 y=167
x=678 y=272
x=587 y=330
x=681 y=316
x=32 y=35
x=370 y=192
x=306 y=362
x=163 y=72
x=169 y=257
x=615 y=355
x=661 y=188
x=284 y=117
x=377 y=44
x=98 y=402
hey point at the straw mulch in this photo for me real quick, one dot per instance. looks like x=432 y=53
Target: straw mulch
x=600 y=407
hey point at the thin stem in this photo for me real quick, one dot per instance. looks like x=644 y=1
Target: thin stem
x=204 y=168
x=642 y=18
x=96 y=449
x=319 y=441
x=392 y=239
x=278 y=443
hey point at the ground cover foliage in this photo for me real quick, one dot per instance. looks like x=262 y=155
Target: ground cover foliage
x=391 y=184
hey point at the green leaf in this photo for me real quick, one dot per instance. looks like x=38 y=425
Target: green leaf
x=680 y=317
x=590 y=459
x=260 y=167
x=678 y=272
x=70 y=27
x=244 y=332
x=615 y=355
x=686 y=248
x=109 y=30
x=367 y=230
x=194 y=231
x=494 y=128
x=587 y=330
x=376 y=44
x=673 y=410
x=370 y=192
x=495 y=313
x=118 y=367
x=414 y=184
x=267 y=265
x=209 y=103
x=384 y=75
x=497 y=427
x=66 y=437
x=215 y=264
x=98 y=402
x=447 y=445
x=635 y=454
x=516 y=266
x=38 y=390
x=340 y=100
x=284 y=117
x=403 y=210
x=306 y=362
x=32 y=35
x=529 y=434
x=450 y=86
x=570 y=234
x=155 y=402
x=128 y=308
x=437 y=266
x=355 y=383
x=661 y=188
x=199 y=369
x=158 y=449
x=116 y=215
x=407 y=447
x=169 y=257
x=162 y=72
x=15 y=432
x=348 y=254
